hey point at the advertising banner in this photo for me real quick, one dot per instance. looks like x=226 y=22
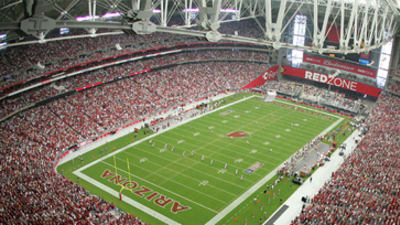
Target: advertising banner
x=335 y=64
x=332 y=80
x=259 y=81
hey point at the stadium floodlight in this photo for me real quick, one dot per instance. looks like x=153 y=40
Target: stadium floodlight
x=221 y=10
x=3 y=45
x=111 y=15
x=85 y=18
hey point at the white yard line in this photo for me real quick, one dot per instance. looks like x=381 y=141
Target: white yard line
x=229 y=150
x=165 y=189
x=199 y=171
x=177 y=174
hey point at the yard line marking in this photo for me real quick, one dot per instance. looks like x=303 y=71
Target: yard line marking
x=177 y=174
x=170 y=180
x=127 y=199
x=180 y=141
x=199 y=125
x=191 y=168
x=226 y=149
x=238 y=146
x=196 y=134
x=165 y=189
x=260 y=183
x=241 y=147
x=134 y=203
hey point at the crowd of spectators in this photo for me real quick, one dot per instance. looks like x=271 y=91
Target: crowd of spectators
x=13 y=104
x=20 y=63
x=365 y=189
x=394 y=83
x=31 y=193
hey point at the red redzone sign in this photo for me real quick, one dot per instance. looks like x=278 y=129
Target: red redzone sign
x=332 y=80
x=145 y=192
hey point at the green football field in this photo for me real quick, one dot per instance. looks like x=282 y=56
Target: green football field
x=199 y=171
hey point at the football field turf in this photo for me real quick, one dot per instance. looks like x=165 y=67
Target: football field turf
x=187 y=174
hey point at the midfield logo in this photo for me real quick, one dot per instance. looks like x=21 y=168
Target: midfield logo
x=145 y=192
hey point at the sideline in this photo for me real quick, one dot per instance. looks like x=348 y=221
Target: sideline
x=126 y=198
x=227 y=209
x=320 y=177
x=93 y=145
x=260 y=183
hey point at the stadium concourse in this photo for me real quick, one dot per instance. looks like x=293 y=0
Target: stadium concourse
x=32 y=193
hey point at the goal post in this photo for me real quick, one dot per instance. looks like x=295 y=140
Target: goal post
x=270 y=96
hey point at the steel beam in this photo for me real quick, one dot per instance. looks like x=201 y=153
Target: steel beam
x=69 y=7
x=10 y=5
x=363 y=23
x=342 y=18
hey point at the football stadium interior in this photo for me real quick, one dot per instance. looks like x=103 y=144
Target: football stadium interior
x=199 y=112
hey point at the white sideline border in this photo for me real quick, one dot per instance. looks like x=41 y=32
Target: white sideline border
x=227 y=209
x=125 y=198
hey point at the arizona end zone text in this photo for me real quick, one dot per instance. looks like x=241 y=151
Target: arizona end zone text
x=145 y=192
x=331 y=80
